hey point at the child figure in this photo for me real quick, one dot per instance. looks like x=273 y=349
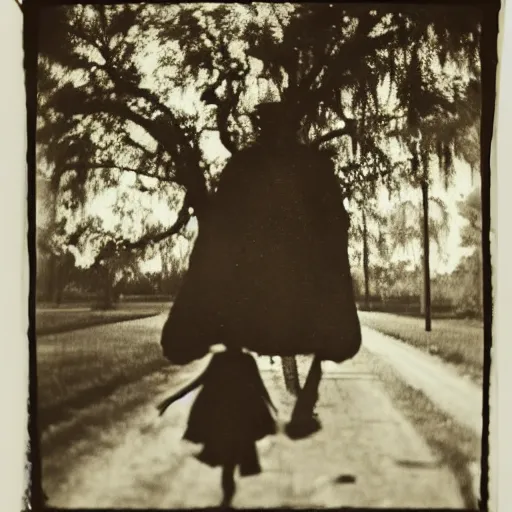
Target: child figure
x=230 y=413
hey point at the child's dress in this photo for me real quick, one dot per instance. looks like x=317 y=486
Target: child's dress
x=231 y=413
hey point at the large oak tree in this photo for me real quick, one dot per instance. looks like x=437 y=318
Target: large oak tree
x=149 y=90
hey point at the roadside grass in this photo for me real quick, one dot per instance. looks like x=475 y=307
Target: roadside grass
x=100 y=427
x=70 y=317
x=457 y=341
x=94 y=429
x=456 y=446
x=79 y=368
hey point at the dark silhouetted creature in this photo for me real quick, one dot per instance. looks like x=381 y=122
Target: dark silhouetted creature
x=269 y=270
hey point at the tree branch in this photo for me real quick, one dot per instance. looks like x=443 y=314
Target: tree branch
x=363 y=29
x=210 y=97
x=113 y=247
x=167 y=132
x=278 y=18
x=156 y=128
x=318 y=67
x=348 y=129
x=181 y=221
x=98 y=105
x=124 y=86
x=165 y=129
x=127 y=139
x=112 y=165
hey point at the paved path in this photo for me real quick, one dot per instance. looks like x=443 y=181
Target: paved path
x=142 y=463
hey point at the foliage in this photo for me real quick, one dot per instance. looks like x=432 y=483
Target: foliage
x=366 y=211
x=470 y=209
x=392 y=280
x=396 y=287
x=132 y=98
x=405 y=226
x=74 y=370
x=463 y=287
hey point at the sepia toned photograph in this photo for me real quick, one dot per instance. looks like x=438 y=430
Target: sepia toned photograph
x=260 y=268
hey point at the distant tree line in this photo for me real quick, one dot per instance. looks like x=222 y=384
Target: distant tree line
x=397 y=285
x=89 y=284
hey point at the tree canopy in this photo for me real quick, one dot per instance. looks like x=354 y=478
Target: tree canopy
x=470 y=210
x=155 y=98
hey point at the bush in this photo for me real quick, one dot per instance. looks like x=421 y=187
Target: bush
x=397 y=289
x=405 y=305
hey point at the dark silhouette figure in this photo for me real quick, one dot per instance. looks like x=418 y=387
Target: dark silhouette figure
x=231 y=412
x=304 y=421
x=269 y=270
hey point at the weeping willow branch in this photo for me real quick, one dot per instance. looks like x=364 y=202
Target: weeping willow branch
x=112 y=165
x=349 y=129
x=372 y=178
x=182 y=220
x=188 y=173
x=112 y=248
x=210 y=97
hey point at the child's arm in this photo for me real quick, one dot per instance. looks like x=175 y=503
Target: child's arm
x=162 y=406
x=263 y=388
x=267 y=397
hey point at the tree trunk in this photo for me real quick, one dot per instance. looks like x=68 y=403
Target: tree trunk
x=291 y=374
x=420 y=280
x=58 y=280
x=54 y=284
x=366 y=265
x=426 y=257
x=51 y=278
x=107 y=301
x=59 y=288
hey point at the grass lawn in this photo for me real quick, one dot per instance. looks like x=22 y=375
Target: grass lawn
x=460 y=342
x=76 y=369
x=70 y=317
x=454 y=445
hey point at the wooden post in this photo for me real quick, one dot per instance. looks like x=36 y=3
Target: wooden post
x=291 y=374
x=426 y=257
x=366 y=265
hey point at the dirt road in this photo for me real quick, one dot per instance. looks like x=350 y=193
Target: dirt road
x=457 y=396
x=367 y=454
